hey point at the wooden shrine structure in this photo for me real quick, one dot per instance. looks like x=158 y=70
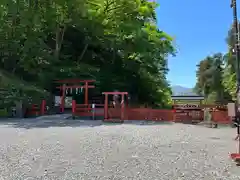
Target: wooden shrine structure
x=66 y=84
x=188 y=99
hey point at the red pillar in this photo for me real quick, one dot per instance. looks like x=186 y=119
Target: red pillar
x=43 y=106
x=122 y=107
x=86 y=92
x=33 y=108
x=62 y=99
x=106 y=107
x=73 y=108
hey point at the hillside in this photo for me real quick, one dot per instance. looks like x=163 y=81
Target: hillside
x=12 y=88
x=180 y=90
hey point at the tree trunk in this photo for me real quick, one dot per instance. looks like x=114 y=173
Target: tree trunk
x=60 y=31
x=83 y=52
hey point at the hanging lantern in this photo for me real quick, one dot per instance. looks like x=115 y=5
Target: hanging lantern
x=81 y=89
x=71 y=91
x=66 y=91
x=76 y=91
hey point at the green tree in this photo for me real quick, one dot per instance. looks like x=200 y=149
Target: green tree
x=229 y=76
x=210 y=79
x=115 y=42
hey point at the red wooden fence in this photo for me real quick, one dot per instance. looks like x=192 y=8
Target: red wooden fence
x=84 y=110
x=87 y=110
x=179 y=115
x=37 y=109
x=81 y=110
x=188 y=116
x=221 y=117
x=149 y=114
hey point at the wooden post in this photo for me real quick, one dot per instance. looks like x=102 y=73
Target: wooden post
x=43 y=106
x=122 y=107
x=73 y=108
x=86 y=93
x=106 y=107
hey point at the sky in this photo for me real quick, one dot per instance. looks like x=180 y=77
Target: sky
x=199 y=29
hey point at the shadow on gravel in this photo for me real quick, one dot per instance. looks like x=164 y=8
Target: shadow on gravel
x=147 y=123
x=42 y=123
x=35 y=123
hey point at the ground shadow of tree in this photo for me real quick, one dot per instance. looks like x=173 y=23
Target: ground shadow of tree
x=34 y=123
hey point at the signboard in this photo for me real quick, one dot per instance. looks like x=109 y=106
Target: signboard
x=231 y=109
x=67 y=103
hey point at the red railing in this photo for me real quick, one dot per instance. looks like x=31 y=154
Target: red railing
x=188 y=115
x=129 y=113
x=179 y=115
x=149 y=114
x=37 y=109
x=221 y=117
x=87 y=109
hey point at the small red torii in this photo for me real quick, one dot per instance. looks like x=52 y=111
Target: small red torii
x=63 y=87
x=106 y=103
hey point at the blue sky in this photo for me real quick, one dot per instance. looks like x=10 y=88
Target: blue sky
x=199 y=28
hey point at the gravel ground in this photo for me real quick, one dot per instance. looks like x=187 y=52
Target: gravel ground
x=124 y=151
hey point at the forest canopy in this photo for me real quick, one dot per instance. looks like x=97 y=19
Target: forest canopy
x=216 y=74
x=115 y=42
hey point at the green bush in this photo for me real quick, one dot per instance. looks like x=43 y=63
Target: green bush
x=3 y=112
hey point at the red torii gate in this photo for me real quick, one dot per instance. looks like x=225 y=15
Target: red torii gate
x=63 y=87
x=106 y=103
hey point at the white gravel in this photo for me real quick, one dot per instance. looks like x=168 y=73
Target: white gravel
x=134 y=152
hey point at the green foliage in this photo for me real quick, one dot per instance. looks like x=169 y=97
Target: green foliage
x=210 y=79
x=115 y=42
x=13 y=89
x=229 y=81
x=216 y=75
x=229 y=76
